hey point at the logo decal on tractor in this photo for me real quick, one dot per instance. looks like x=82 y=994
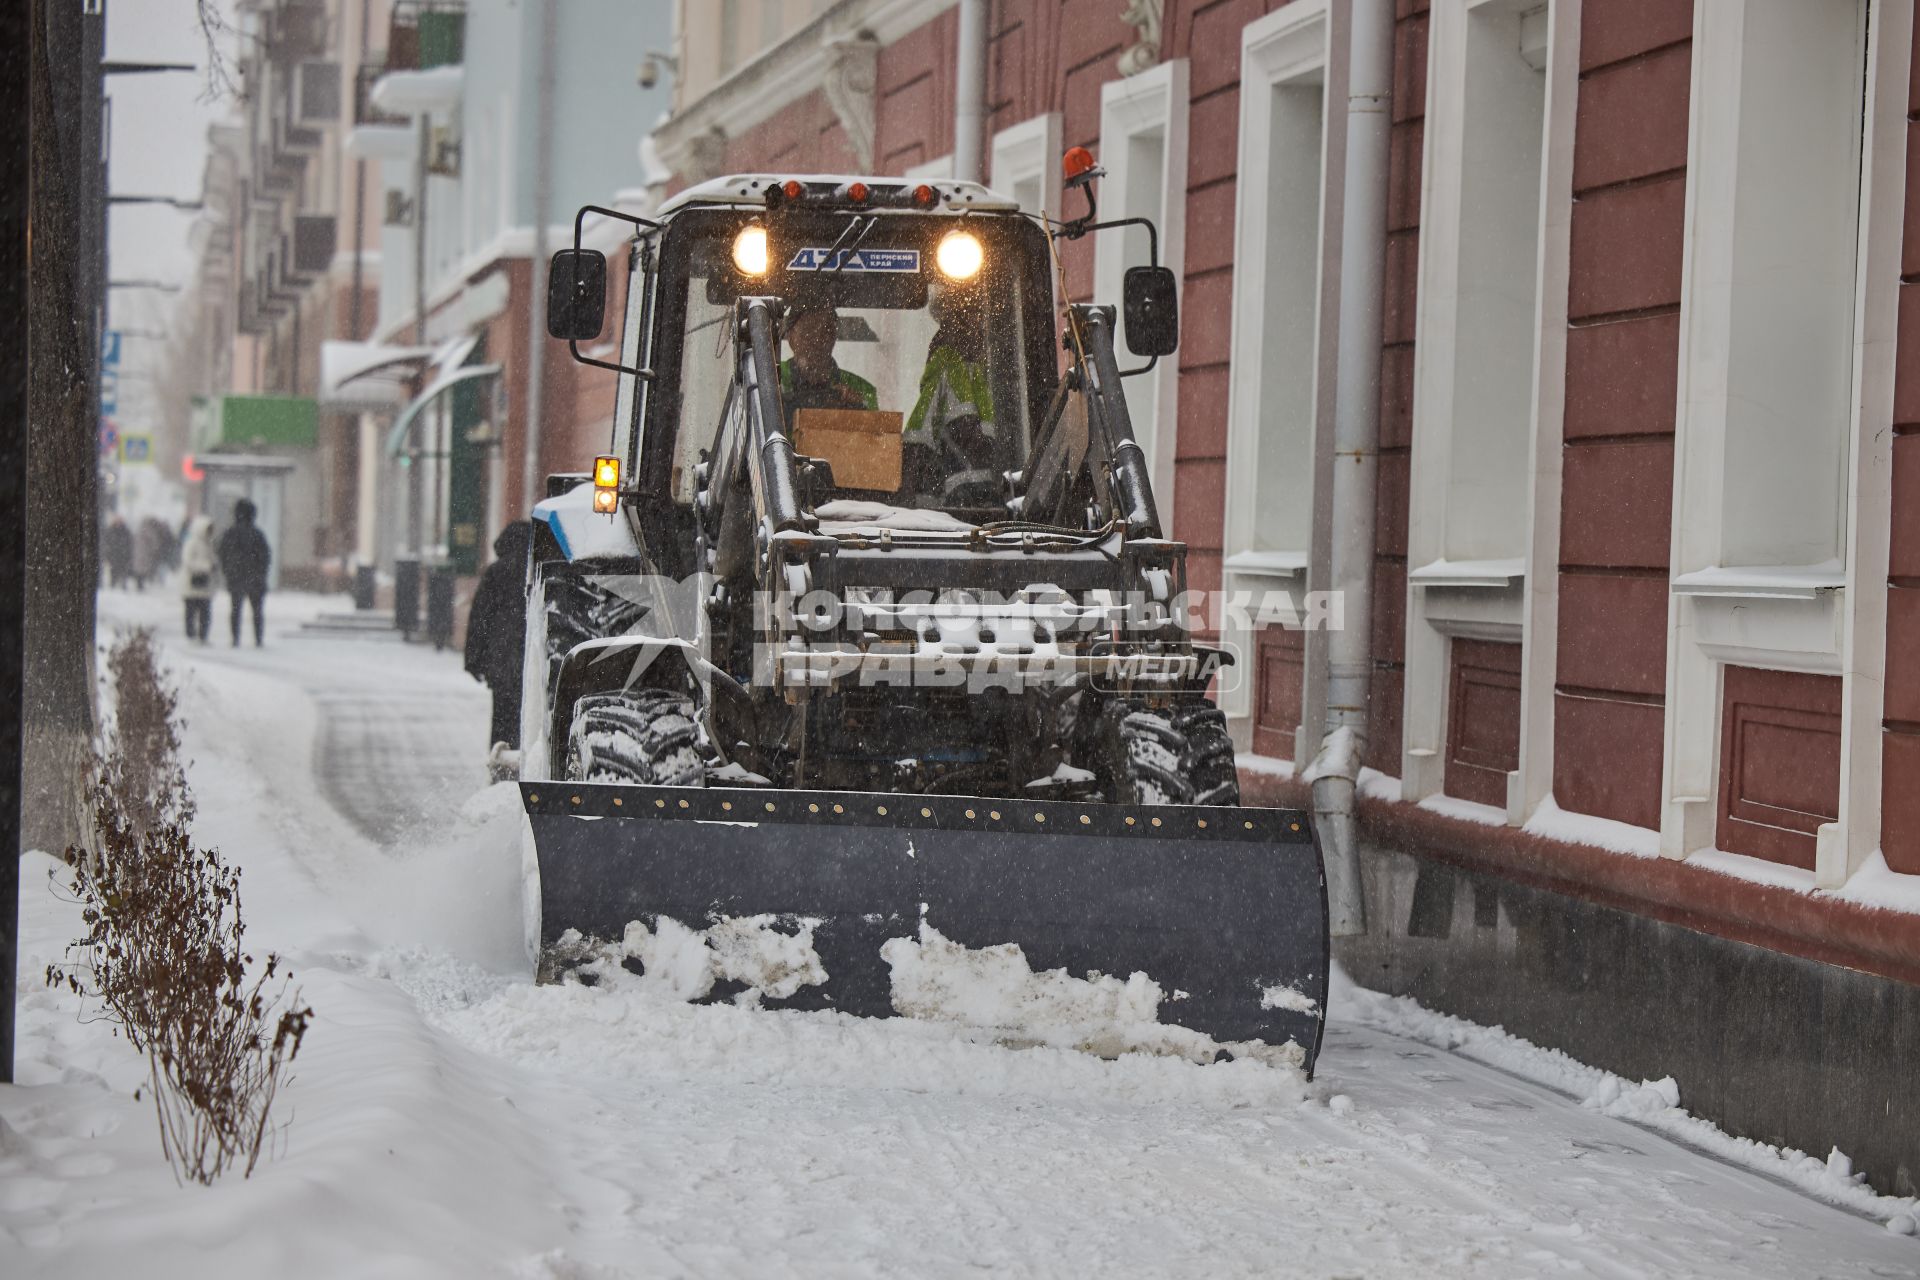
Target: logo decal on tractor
x=824 y=258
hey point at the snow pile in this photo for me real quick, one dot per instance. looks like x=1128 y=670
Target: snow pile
x=453 y=1119
x=770 y=956
x=1876 y=884
x=1551 y=822
x=1339 y=757
x=853 y=515
x=1247 y=762
x=1651 y=1104
x=995 y=989
x=1285 y=997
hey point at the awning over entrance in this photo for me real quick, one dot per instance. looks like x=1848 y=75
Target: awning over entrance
x=356 y=376
x=402 y=425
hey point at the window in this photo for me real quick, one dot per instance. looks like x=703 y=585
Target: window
x=1143 y=147
x=1283 y=333
x=1795 y=186
x=1777 y=213
x=1026 y=164
x=1487 y=386
x=1479 y=285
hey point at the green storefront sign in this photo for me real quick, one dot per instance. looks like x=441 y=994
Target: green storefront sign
x=267 y=422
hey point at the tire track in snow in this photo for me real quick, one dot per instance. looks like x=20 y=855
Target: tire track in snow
x=391 y=761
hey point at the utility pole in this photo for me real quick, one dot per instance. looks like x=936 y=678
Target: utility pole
x=16 y=102
x=416 y=460
x=62 y=462
x=534 y=409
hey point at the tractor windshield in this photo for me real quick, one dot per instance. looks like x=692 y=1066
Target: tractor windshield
x=908 y=381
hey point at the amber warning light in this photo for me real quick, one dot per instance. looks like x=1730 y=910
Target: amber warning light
x=1078 y=166
x=606 y=485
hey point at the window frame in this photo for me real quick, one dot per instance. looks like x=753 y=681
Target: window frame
x=1133 y=107
x=1284 y=46
x=1721 y=615
x=1512 y=600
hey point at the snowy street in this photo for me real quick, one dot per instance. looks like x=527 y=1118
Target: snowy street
x=450 y=1118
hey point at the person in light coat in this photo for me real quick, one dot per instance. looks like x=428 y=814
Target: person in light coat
x=199 y=561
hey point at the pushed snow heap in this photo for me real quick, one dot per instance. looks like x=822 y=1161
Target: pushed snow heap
x=995 y=988
x=684 y=963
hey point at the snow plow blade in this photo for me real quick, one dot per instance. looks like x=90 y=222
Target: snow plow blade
x=1224 y=908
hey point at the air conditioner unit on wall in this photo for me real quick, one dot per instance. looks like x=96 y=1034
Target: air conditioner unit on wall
x=399 y=208
x=316 y=93
x=313 y=243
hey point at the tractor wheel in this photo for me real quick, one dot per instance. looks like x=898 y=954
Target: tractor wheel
x=648 y=737
x=1208 y=763
x=1180 y=755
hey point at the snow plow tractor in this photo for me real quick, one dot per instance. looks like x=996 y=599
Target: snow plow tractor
x=855 y=667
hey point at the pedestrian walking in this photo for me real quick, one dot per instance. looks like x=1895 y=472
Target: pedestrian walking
x=496 y=636
x=158 y=551
x=198 y=563
x=244 y=559
x=116 y=551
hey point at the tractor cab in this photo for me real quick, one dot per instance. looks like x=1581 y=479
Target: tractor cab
x=917 y=353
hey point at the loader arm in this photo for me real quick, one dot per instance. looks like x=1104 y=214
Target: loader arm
x=770 y=457
x=1131 y=484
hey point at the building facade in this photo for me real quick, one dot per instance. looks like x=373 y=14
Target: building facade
x=362 y=337
x=1643 y=724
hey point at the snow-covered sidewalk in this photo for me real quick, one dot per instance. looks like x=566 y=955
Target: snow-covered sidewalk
x=449 y=1118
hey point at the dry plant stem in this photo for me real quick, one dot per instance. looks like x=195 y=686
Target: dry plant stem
x=164 y=949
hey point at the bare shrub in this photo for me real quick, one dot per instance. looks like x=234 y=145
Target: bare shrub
x=163 y=951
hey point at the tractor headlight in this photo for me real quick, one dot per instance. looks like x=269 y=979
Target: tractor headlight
x=750 y=251
x=959 y=256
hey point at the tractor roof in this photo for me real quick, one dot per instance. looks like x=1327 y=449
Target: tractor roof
x=750 y=189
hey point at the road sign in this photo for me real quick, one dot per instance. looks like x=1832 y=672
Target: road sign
x=136 y=448
x=109 y=392
x=109 y=437
x=110 y=349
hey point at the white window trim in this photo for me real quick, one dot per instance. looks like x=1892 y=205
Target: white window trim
x=1441 y=604
x=1280 y=47
x=930 y=170
x=1155 y=99
x=1701 y=626
x=1030 y=148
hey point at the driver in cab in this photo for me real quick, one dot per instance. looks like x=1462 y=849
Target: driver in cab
x=809 y=378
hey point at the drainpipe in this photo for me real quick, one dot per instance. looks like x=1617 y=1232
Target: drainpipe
x=1356 y=445
x=537 y=286
x=416 y=481
x=970 y=95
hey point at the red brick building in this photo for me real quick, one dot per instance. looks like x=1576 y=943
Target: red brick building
x=1645 y=705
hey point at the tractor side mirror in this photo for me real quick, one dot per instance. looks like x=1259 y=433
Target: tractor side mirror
x=1152 y=310
x=576 y=294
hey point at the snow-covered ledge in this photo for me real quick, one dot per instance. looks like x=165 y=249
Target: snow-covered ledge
x=1497 y=574
x=382 y=142
x=1763 y=582
x=413 y=93
x=1266 y=564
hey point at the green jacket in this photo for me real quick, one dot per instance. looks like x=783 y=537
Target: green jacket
x=850 y=390
x=951 y=385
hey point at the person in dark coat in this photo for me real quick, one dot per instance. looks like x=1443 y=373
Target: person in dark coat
x=244 y=560
x=497 y=631
x=116 y=549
